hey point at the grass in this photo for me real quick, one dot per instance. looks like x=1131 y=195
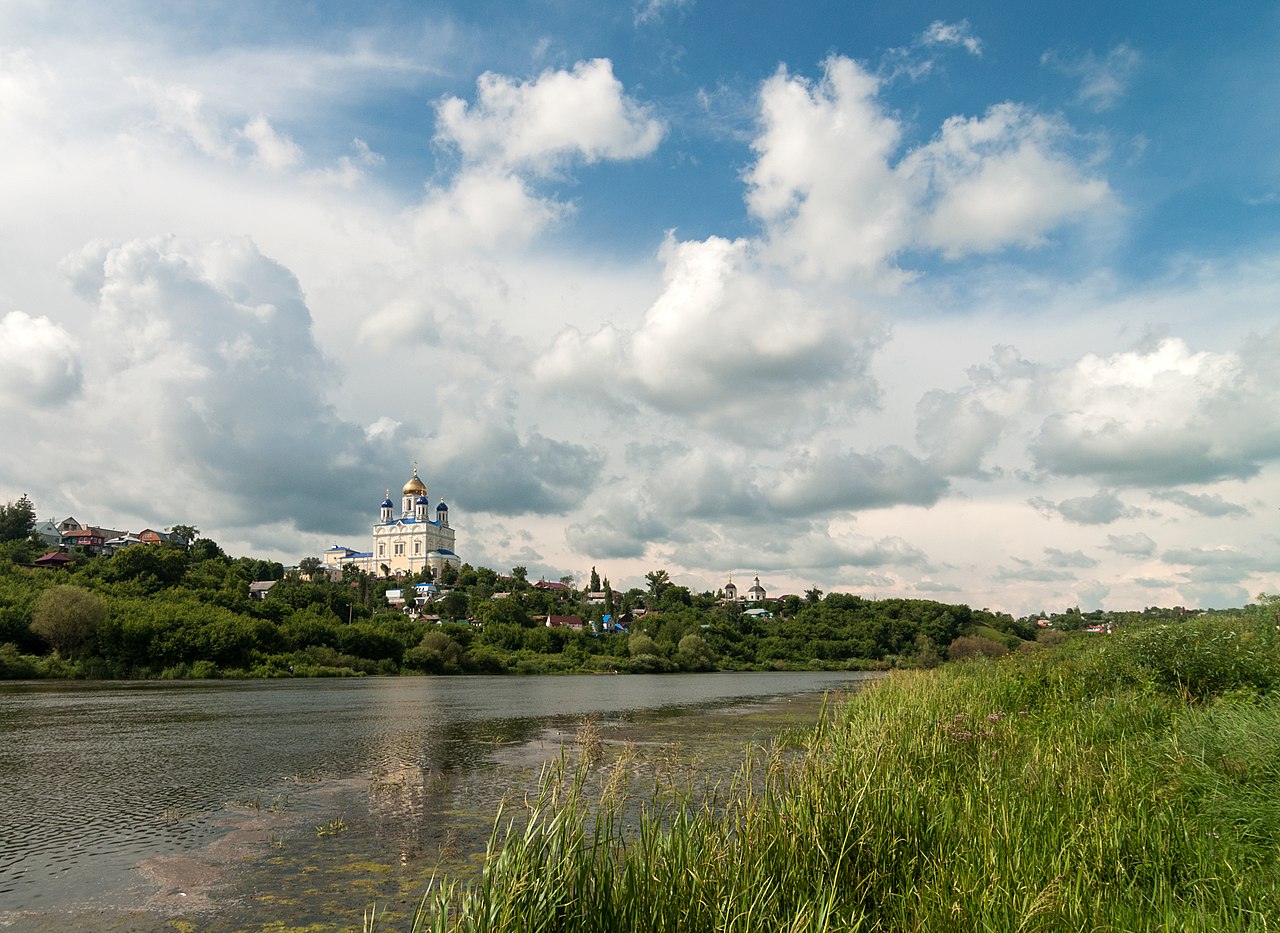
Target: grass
x=1083 y=788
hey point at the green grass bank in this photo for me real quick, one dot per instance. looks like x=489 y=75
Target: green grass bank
x=1127 y=783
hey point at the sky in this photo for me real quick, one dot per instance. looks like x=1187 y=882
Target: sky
x=970 y=302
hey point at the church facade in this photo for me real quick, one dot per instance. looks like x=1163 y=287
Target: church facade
x=419 y=537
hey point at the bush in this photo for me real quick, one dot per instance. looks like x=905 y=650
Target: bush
x=15 y=666
x=68 y=618
x=1203 y=658
x=967 y=647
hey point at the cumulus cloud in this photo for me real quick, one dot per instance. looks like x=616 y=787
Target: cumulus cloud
x=1211 y=505
x=1002 y=179
x=814 y=482
x=493 y=466
x=39 y=362
x=577 y=115
x=1102 y=508
x=480 y=212
x=727 y=347
x=623 y=525
x=956 y=430
x=1056 y=557
x=836 y=205
x=1135 y=545
x=822 y=181
x=191 y=342
x=1163 y=415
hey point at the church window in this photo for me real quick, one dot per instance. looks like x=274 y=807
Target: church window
x=399 y=549
x=417 y=547
x=382 y=550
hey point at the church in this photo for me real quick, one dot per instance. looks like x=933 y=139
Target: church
x=405 y=544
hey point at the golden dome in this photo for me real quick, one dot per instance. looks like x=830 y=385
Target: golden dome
x=415 y=486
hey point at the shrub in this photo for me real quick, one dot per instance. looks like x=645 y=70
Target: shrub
x=68 y=618
x=1203 y=658
x=967 y=647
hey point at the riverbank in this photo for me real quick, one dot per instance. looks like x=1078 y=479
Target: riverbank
x=1127 y=785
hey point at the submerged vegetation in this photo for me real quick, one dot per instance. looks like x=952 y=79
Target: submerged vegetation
x=1127 y=784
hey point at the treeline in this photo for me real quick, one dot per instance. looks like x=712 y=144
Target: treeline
x=182 y=610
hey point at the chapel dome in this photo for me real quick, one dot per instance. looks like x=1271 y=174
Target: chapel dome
x=415 y=486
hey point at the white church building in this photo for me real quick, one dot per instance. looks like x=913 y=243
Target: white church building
x=419 y=537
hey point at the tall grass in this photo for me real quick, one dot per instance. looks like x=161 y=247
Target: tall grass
x=1061 y=791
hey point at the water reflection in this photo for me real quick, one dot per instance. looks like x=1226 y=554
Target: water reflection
x=98 y=779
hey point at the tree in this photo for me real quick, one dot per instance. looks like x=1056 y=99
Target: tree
x=813 y=594
x=68 y=618
x=520 y=573
x=595 y=581
x=659 y=580
x=17 y=519
x=454 y=605
x=310 y=566
x=187 y=533
x=695 y=654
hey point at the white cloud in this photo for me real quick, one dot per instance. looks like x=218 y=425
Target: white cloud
x=961 y=34
x=272 y=150
x=540 y=125
x=481 y=211
x=726 y=347
x=654 y=11
x=1163 y=415
x=192 y=340
x=1003 y=179
x=39 y=362
x=836 y=205
x=822 y=182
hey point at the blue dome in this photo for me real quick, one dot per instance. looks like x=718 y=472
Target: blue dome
x=421 y=500
x=386 y=503
x=442 y=507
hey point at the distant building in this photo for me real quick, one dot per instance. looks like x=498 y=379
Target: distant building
x=261 y=590
x=418 y=538
x=755 y=593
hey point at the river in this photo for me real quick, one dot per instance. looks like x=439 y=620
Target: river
x=248 y=805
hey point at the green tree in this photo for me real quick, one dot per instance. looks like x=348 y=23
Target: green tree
x=68 y=618
x=454 y=605
x=520 y=574
x=17 y=519
x=595 y=581
x=310 y=566
x=694 y=654
x=659 y=581
x=186 y=533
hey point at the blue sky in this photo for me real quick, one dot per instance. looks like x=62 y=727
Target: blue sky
x=967 y=301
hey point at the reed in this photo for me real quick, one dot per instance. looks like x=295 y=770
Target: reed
x=991 y=795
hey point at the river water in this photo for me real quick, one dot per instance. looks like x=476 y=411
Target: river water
x=271 y=804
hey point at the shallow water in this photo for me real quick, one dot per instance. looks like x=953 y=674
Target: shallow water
x=127 y=806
